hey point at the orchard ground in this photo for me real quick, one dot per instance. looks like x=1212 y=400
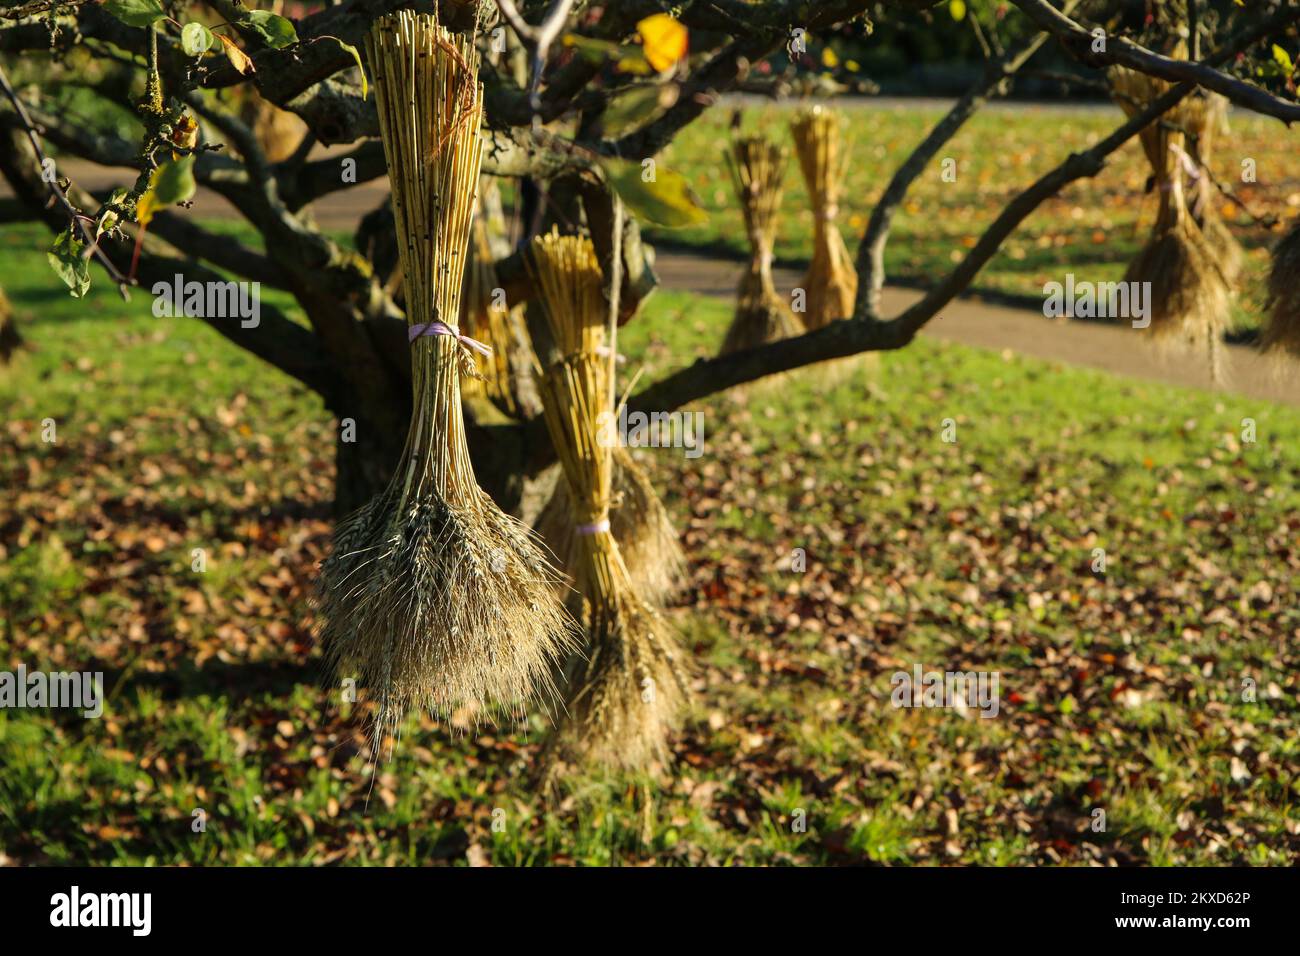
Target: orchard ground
x=1163 y=691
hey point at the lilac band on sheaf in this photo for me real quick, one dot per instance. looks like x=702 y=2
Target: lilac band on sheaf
x=596 y=527
x=1186 y=162
x=442 y=328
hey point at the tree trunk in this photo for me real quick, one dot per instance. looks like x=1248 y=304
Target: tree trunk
x=10 y=340
x=364 y=462
x=365 y=458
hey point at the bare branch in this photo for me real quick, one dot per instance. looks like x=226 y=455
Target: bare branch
x=276 y=340
x=1079 y=40
x=75 y=217
x=766 y=27
x=33 y=7
x=862 y=334
x=540 y=39
x=871 y=251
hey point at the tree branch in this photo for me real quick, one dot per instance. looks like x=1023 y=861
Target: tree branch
x=74 y=217
x=766 y=26
x=540 y=39
x=1079 y=40
x=861 y=334
x=276 y=340
x=871 y=252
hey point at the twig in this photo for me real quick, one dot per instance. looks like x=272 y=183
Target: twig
x=75 y=216
x=540 y=39
x=1079 y=40
x=979 y=37
x=1084 y=82
x=1268 y=220
x=871 y=251
x=34 y=7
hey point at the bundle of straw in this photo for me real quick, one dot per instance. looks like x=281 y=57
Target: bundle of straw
x=1202 y=116
x=493 y=323
x=757 y=168
x=1189 y=291
x=639 y=522
x=433 y=596
x=625 y=695
x=1282 y=329
x=831 y=283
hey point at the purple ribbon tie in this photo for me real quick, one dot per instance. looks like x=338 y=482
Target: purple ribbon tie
x=442 y=328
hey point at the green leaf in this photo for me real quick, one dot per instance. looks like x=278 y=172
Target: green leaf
x=630 y=59
x=196 y=39
x=135 y=13
x=356 y=55
x=171 y=183
x=275 y=30
x=65 y=258
x=658 y=196
x=636 y=107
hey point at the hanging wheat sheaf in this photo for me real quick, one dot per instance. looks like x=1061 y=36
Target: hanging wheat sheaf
x=488 y=319
x=433 y=597
x=625 y=694
x=651 y=548
x=757 y=169
x=1204 y=116
x=505 y=371
x=831 y=282
x=1189 y=292
x=1282 y=324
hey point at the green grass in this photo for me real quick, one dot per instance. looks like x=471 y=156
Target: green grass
x=1119 y=692
x=1093 y=228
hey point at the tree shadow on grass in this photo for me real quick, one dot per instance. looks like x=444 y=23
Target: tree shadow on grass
x=180 y=514
x=33 y=305
x=238 y=681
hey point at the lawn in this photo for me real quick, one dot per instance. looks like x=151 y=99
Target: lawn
x=1096 y=225
x=1120 y=692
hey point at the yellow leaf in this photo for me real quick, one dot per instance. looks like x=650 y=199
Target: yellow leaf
x=664 y=39
x=852 y=66
x=237 y=57
x=958 y=9
x=1283 y=59
x=829 y=59
x=145 y=209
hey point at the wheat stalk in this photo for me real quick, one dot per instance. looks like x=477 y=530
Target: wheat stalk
x=831 y=282
x=1190 y=291
x=757 y=169
x=433 y=597
x=626 y=694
